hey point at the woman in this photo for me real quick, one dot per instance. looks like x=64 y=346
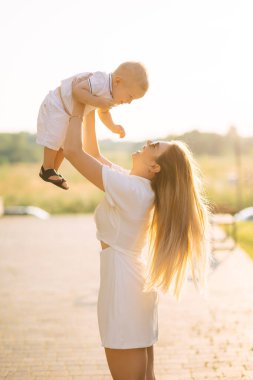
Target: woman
x=160 y=198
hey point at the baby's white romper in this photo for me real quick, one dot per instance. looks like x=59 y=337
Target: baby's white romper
x=54 y=112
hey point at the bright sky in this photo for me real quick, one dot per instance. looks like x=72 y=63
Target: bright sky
x=198 y=54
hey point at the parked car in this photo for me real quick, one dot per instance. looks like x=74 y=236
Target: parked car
x=245 y=214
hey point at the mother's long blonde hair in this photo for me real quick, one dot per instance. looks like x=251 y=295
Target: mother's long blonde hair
x=178 y=235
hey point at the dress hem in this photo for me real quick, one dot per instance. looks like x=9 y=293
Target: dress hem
x=132 y=346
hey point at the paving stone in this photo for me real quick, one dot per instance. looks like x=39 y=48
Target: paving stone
x=48 y=320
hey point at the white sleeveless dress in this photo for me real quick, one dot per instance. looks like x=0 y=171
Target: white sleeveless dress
x=127 y=316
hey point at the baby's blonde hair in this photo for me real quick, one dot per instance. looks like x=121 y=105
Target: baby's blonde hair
x=135 y=72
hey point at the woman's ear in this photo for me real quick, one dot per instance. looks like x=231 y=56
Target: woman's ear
x=155 y=167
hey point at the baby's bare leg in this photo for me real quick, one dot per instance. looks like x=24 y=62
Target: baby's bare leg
x=58 y=159
x=49 y=158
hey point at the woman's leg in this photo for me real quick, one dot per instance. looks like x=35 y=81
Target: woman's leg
x=150 y=375
x=126 y=364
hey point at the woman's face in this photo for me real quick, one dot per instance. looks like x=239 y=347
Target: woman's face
x=149 y=153
x=151 y=150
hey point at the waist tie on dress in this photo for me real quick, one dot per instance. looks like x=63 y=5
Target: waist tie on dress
x=126 y=252
x=136 y=258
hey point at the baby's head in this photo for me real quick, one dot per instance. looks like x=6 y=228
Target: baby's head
x=129 y=82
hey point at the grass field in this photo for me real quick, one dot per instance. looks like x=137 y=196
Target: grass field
x=21 y=185
x=219 y=176
x=245 y=236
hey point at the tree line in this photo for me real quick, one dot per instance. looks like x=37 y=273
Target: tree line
x=21 y=147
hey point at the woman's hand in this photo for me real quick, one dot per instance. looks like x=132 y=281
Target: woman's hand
x=104 y=103
x=80 y=86
x=80 y=83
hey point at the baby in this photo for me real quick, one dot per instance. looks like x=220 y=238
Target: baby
x=99 y=91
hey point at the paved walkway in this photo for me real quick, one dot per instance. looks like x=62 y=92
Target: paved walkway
x=49 y=278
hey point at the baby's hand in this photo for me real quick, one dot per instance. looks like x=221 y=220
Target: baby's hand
x=118 y=129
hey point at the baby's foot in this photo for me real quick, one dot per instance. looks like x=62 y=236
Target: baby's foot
x=50 y=175
x=59 y=175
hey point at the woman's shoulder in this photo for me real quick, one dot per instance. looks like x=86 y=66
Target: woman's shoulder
x=140 y=185
x=126 y=189
x=119 y=168
x=133 y=178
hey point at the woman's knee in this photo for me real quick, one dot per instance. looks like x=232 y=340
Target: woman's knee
x=150 y=375
x=125 y=364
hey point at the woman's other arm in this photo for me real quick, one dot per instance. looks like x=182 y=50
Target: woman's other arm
x=90 y=143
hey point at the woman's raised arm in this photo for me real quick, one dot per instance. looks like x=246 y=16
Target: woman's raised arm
x=87 y=165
